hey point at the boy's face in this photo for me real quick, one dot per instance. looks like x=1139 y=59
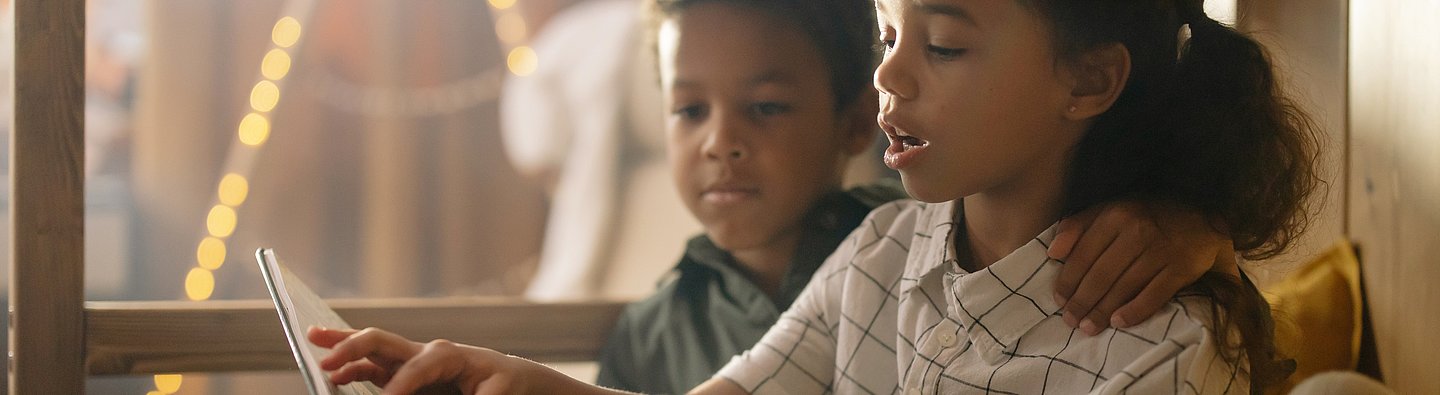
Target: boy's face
x=972 y=98
x=753 y=135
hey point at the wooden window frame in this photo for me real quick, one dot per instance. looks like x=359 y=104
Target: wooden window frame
x=57 y=339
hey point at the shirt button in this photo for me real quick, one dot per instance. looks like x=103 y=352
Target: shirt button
x=947 y=340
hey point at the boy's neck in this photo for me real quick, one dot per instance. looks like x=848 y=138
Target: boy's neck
x=766 y=265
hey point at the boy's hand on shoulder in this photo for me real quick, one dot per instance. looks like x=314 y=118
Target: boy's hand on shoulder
x=1126 y=260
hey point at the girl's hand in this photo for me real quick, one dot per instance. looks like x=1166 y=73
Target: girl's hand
x=1126 y=260
x=402 y=366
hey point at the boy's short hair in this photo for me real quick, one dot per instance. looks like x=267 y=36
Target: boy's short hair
x=843 y=30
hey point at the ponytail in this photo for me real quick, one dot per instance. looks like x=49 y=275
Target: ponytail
x=1200 y=123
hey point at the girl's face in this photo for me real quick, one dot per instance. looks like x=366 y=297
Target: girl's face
x=753 y=135
x=972 y=97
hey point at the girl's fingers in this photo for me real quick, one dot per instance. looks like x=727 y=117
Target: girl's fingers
x=370 y=343
x=438 y=363
x=361 y=370
x=326 y=337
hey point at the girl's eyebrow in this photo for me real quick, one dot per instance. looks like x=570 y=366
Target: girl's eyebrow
x=950 y=10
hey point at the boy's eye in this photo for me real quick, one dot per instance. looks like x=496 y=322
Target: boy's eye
x=690 y=112
x=946 y=53
x=769 y=108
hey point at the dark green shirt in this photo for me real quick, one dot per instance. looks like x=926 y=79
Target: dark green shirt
x=708 y=310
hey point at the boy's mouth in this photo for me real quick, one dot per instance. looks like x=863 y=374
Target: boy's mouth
x=728 y=194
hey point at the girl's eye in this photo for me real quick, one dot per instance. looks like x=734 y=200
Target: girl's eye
x=885 y=46
x=946 y=53
x=690 y=112
x=766 y=109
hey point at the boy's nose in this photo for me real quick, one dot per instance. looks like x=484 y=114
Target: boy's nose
x=724 y=143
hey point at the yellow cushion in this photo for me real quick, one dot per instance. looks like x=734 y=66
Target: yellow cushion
x=1318 y=311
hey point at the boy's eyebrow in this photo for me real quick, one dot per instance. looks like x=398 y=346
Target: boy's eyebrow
x=950 y=10
x=772 y=77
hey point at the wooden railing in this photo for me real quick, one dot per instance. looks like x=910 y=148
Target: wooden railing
x=219 y=336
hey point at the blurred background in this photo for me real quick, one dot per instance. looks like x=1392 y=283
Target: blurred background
x=420 y=149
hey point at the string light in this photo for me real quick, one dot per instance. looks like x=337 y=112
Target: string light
x=275 y=65
x=510 y=28
x=264 y=96
x=522 y=61
x=221 y=221
x=167 y=383
x=286 y=32
x=502 y=4
x=210 y=255
x=254 y=129
x=233 y=189
x=199 y=284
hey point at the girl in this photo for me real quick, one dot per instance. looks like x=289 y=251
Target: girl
x=1004 y=116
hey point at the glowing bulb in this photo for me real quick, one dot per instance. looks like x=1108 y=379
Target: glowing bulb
x=167 y=383
x=211 y=253
x=522 y=61
x=265 y=96
x=233 y=189
x=502 y=4
x=221 y=221
x=510 y=27
x=199 y=284
x=286 y=32
x=275 y=65
x=254 y=129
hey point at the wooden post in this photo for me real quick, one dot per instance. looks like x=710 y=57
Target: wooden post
x=47 y=199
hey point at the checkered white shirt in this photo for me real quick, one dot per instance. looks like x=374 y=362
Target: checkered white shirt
x=891 y=312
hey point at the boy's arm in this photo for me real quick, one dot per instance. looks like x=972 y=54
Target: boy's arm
x=1125 y=260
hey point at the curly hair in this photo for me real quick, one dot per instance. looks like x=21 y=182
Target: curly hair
x=1203 y=124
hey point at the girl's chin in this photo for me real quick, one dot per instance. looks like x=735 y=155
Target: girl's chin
x=920 y=190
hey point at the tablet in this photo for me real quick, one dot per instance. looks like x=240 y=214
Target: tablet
x=300 y=308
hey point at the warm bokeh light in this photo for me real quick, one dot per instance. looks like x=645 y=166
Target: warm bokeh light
x=221 y=221
x=155 y=393
x=211 y=253
x=233 y=189
x=254 y=129
x=265 y=96
x=511 y=29
x=286 y=33
x=502 y=4
x=275 y=65
x=522 y=61
x=199 y=284
x=167 y=383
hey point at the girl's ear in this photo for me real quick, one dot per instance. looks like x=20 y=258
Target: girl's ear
x=1099 y=76
x=858 y=125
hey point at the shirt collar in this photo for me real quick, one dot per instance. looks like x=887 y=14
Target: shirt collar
x=997 y=304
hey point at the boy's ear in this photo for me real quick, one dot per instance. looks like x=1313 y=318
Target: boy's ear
x=858 y=121
x=1099 y=76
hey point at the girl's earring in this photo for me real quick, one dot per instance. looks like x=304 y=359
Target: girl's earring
x=1073 y=109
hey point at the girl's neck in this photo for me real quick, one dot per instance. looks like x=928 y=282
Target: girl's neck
x=1002 y=219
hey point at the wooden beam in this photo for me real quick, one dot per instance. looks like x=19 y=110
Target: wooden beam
x=220 y=336
x=47 y=199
